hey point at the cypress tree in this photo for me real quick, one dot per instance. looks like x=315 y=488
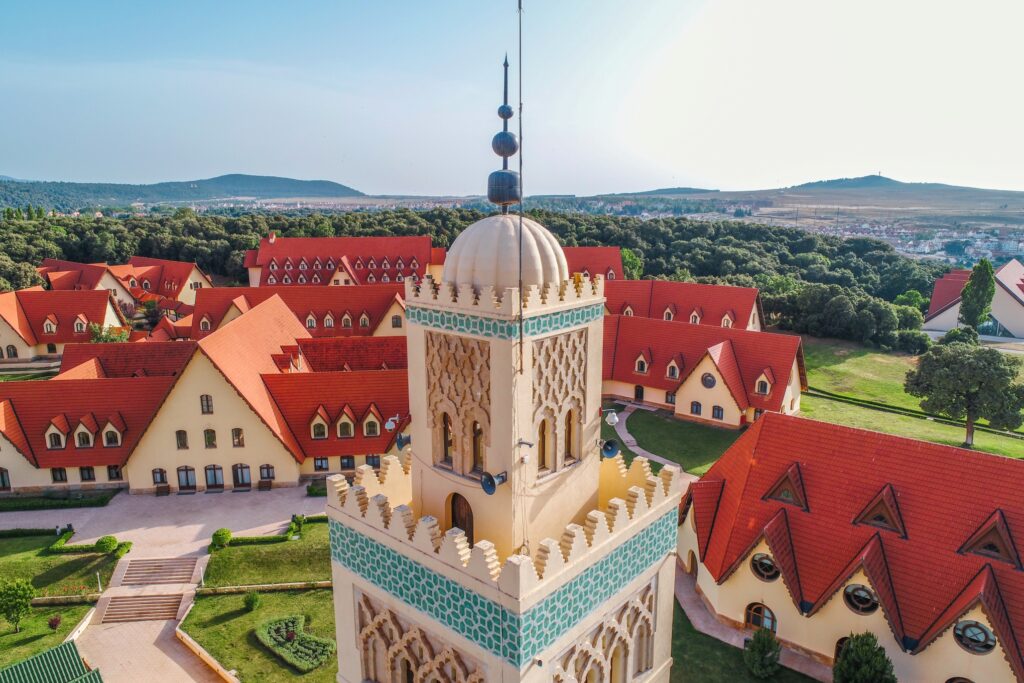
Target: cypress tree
x=976 y=298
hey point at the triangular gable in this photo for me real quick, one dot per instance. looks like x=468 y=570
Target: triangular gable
x=724 y=358
x=346 y=411
x=89 y=422
x=372 y=410
x=321 y=412
x=780 y=542
x=706 y=496
x=11 y=428
x=883 y=512
x=60 y=422
x=789 y=488
x=993 y=540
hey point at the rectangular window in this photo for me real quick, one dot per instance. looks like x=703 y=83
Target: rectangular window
x=266 y=472
x=59 y=474
x=348 y=462
x=210 y=438
x=718 y=413
x=373 y=461
x=320 y=465
x=113 y=472
x=87 y=473
x=56 y=440
x=159 y=477
x=181 y=437
x=206 y=404
x=670 y=398
x=237 y=438
x=5 y=480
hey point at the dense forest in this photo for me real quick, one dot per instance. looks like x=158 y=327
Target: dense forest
x=799 y=273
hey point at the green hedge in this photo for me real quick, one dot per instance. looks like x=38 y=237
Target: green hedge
x=92 y=499
x=16 y=533
x=305 y=652
x=317 y=489
x=257 y=540
x=61 y=546
x=294 y=528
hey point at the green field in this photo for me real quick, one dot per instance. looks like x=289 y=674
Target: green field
x=854 y=370
x=694 y=446
x=53 y=573
x=308 y=559
x=35 y=635
x=221 y=624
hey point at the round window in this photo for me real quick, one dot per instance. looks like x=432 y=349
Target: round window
x=974 y=637
x=708 y=380
x=860 y=599
x=764 y=567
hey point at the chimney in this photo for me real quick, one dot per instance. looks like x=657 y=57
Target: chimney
x=272 y=237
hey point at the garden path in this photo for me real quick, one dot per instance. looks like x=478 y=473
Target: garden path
x=141 y=651
x=630 y=442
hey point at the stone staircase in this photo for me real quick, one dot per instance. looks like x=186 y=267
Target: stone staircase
x=141 y=608
x=147 y=572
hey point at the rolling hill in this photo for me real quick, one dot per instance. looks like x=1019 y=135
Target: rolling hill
x=70 y=196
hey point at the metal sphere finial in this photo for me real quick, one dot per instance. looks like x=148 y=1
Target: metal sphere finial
x=503 y=187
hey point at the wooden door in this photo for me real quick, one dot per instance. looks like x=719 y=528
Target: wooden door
x=462 y=516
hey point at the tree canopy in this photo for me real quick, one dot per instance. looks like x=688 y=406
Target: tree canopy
x=976 y=298
x=863 y=660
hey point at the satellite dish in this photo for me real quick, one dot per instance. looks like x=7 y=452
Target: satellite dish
x=402 y=441
x=610 y=448
x=490 y=482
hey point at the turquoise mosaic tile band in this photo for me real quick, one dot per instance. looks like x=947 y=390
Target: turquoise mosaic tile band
x=514 y=637
x=452 y=321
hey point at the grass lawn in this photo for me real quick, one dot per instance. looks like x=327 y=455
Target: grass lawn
x=851 y=369
x=27 y=376
x=221 y=624
x=699 y=657
x=36 y=635
x=695 y=447
x=855 y=416
x=308 y=559
x=52 y=573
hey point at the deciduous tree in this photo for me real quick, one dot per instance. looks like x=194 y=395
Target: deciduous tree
x=16 y=601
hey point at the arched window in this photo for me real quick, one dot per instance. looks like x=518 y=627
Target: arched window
x=371 y=428
x=611 y=274
x=840 y=644
x=319 y=430
x=344 y=429
x=240 y=476
x=56 y=440
x=346 y=322
x=311 y=323
x=186 y=478
x=642 y=649
x=717 y=412
x=181 y=439
x=695 y=408
x=111 y=438
x=641 y=365
x=146 y=285
x=478 y=447
x=237 y=437
x=543 y=462
x=214 y=477
x=667 y=315
x=210 y=438
x=759 y=616
x=328 y=321
x=570 y=436
x=694 y=318
x=396 y=321
x=79 y=326
x=762 y=387
x=206 y=404
x=446 y=439
x=673 y=371
x=84 y=439
x=617 y=664
x=364 y=321
x=159 y=476
x=204 y=324
x=12 y=351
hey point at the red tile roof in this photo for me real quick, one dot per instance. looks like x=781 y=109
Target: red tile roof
x=66 y=275
x=650 y=298
x=129 y=359
x=29 y=408
x=365 y=257
x=26 y=310
x=375 y=300
x=300 y=396
x=741 y=355
x=947 y=290
x=167 y=278
x=354 y=354
x=595 y=261
x=944 y=495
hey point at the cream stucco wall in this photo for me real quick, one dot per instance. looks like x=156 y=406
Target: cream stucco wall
x=693 y=390
x=8 y=337
x=384 y=328
x=27 y=478
x=112 y=284
x=188 y=295
x=181 y=410
x=755 y=322
x=818 y=634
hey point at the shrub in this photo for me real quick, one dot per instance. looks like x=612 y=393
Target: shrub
x=761 y=654
x=106 y=544
x=317 y=489
x=287 y=639
x=16 y=601
x=252 y=601
x=221 y=538
x=960 y=335
x=54 y=622
x=863 y=660
x=123 y=548
x=913 y=341
x=61 y=544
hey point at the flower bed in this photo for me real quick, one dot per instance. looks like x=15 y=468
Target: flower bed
x=288 y=639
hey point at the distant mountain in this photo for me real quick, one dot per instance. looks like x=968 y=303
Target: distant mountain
x=71 y=196
x=9 y=179
x=666 y=191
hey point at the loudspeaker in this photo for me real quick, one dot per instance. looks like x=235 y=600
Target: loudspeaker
x=490 y=482
x=610 y=448
x=402 y=441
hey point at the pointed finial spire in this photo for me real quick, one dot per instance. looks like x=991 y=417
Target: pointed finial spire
x=503 y=187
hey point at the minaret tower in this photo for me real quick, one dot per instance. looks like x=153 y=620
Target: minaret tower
x=500 y=546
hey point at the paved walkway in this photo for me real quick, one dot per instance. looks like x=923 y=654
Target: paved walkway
x=141 y=651
x=175 y=526
x=629 y=442
x=706 y=623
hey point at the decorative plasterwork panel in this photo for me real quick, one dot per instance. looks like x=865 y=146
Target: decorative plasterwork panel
x=517 y=638
x=559 y=374
x=458 y=384
x=480 y=326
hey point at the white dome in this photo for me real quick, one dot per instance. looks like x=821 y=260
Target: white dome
x=486 y=253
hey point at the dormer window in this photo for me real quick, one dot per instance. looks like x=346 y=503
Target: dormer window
x=726 y=321
x=359 y=264
x=319 y=430
x=49 y=327
x=302 y=265
x=328 y=320
x=385 y=264
x=345 y=429
x=55 y=440
x=673 y=371
x=414 y=264
x=330 y=265
x=271 y=280
x=346 y=321
x=641 y=366
x=273 y=265
x=204 y=324
x=610 y=275
x=668 y=314
x=80 y=325
x=287 y=279
x=111 y=438
x=627 y=311
x=371 y=428
x=133 y=282
x=586 y=274
x=385 y=278
x=372 y=264
x=371 y=279
x=302 y=279
x=316 y=279
x=145 y=285
x=694 y=318
x=400 y=278
x=317 y=265
x=400 y=264
x=288 y=264
x=311 y=323
x=83 y=439
x=364 y=321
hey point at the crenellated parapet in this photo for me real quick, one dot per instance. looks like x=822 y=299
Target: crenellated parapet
x=633 y=504
x=505 y=303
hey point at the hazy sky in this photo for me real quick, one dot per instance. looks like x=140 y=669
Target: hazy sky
x=400 y=97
